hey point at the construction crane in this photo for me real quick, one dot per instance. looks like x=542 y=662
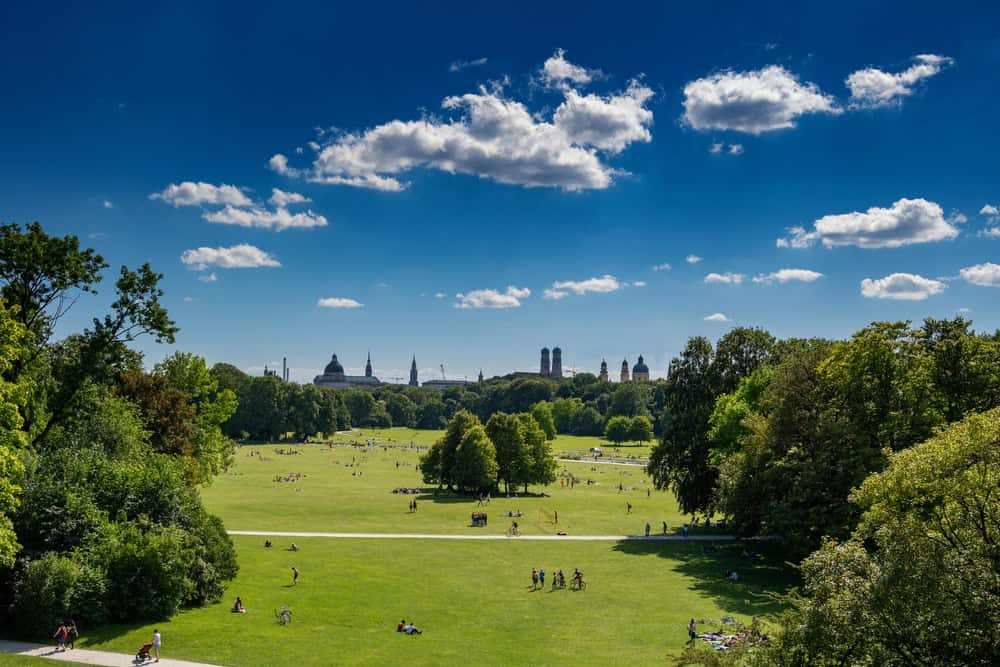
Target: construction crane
x=442 y=372
x=398 y=379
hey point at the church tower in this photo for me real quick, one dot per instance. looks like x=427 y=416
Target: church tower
x=480 y=375
x=544 y=371
x=413 y=372
x=624 y=370
x=640 y=372
x=604 y=371
x=556 y=363
x=368 y=366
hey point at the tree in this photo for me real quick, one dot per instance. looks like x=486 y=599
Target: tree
x=475 y=460
x=630 y=400
x=563 y=410
x=542 y=412
x=916 y=583
x=430 y=415
x=543 y=464
x=512 y=455
x=166 y=411
x=402 y=410
x=229 y=377
x=446 y=455
x=12 y=439
x=618 y=428
x=640 y=429
x=587 y=421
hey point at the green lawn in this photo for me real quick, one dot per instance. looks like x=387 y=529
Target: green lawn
x=8 y=660
x=472 y=599
x=332 y=497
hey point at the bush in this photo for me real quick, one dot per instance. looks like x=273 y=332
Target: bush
x=53 y=588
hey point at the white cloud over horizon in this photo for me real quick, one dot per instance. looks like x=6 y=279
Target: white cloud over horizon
x=692 y=259
x=459 y=65
x=727 y=278
x=902 y=287
x=558 y=72
x=278 y=220
x=190 y=193
x=906 y=222
x=752 y=102
x=338 y=302
x=788 y=275
x=490 y=135
x=281 y=199
x=597 y=285
x=490 y=298
x=662 y=267
x=983 y=275
x=242 y=256
x=716 y=317
x=872 y=88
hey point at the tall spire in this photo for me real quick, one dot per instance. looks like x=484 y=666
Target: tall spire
x=413 y=372
x=368 y=365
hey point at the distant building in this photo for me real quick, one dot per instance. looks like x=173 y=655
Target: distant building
x=640 y=371
x=413 y=372
x=603 y=375
x=445 y=384
x=556 y=363
x=624 y=374
x=333 y=376
x=546 y=369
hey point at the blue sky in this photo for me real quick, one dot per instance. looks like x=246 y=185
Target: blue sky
x=539 y=162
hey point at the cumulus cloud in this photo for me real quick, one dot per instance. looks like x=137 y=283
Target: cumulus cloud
x=991 y=213
x=490 y=135
x=754 y=102
x=692 y=259
x=490 y=298
x=558 y=72
x=788 y=275
x=908 y=221
x=725 y=278
x=872 y=88
x=459 y=65
x=639 y=283
x=208 y=277
x=277 y=220
x=282 y=199
x=984 y=275
x=991 y=233
x=662 y=267
x=716 y=317
x=604 y=284
x=736 y=149
x=338 y=302
x=190 y=193
x=716 y=148
x=901 y=286
x=108 y=203
x=440 y=295
x=242 y=256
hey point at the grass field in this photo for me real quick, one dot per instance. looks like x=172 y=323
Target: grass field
x=7 y=660
x=472 y=598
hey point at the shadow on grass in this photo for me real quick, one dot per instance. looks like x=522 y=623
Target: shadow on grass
x=761 y=576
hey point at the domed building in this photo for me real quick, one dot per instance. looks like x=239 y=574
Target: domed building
x=624 y=374
x=604 y=371
x=640 y=371
x=334 y=377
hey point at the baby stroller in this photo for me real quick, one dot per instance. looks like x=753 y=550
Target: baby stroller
x=143 y=654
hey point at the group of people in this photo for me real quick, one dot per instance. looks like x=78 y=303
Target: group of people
x=66 y=633
x=558 y=579
x=408 y=628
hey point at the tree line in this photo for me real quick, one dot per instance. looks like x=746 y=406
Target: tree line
x=100 y=517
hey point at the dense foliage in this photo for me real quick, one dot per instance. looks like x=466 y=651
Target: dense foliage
x=100 y=517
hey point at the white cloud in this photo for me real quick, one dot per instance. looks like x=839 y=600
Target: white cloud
x=490 y=135
x=208 y=277
x=984 y=275
x=490 y=298
x=901 y=286
x=277 y=220
x=604 y=284
x=558 y=72
x=242 y=256
x=338 y=302
x=639 y=283
x=716 y=148
x=440 y=295
x=957 y=218
x=662 y=267
x=716 y=317
x=786 y=275
x=188 y=299
x=725 y=278
x=282 y=199
x=872 y=88
x=459 y=65
x=754 y=102
x=991 y=233
x=189 y=193
x=991 y=213
x=108 y=204
x=692 y=259
x=908 y=221
x=736 y=149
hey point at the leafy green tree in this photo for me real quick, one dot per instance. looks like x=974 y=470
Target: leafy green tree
x=475 y=460
x=446 y=456
x=543 y=464
x=916 y=584
x=587 y=421
x=513 y=458
x=640 y=429
x=229 y=377
x=563 y=410
x=542 y=412
x=618 y=429
x=166 y=411
x=630 y=400
x=520 y=395
x=430 y=415
x=12 y=439
x=262 y=411
x=361 y=405
x=402 y=410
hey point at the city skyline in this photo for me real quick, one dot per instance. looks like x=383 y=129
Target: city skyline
x=458 y=195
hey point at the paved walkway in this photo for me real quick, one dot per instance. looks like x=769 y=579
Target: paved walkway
x=432 y=536
x=605 y=463
x=88 y=657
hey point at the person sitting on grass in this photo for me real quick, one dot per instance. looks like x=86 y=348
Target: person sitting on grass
x=402 y=624
x=267 y=544
x=411 y=629
x=238 y=606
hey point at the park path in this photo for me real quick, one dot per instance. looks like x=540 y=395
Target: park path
x=634 y=464
x=88 y=657
x=438 y=536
